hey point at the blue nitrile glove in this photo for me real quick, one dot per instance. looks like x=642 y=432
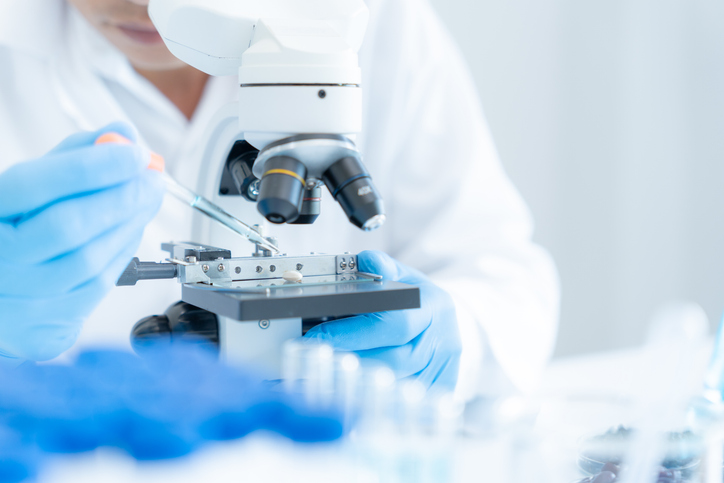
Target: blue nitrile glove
x=70 y=222
x=422 y=342
x=176 y=399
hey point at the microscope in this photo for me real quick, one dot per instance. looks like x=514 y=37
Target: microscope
x=291 y=132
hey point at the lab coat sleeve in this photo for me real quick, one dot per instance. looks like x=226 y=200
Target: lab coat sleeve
x=461 y=220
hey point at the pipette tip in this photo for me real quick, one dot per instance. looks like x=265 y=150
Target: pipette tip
x=264 y=243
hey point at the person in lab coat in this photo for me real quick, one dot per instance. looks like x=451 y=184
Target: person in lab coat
x=73 y=214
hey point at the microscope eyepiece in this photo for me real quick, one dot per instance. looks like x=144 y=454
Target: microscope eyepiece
x=352 y=187
x=281 y=189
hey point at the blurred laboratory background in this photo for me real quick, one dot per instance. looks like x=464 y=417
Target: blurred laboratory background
x=609 y=117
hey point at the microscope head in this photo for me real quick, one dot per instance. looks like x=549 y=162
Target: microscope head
x=300 y=97
x=291 y=170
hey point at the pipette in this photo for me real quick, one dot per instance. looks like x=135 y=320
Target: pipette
x=216 y=213
x=196 y=201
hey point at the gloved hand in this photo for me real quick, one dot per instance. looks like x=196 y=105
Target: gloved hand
x=175 y=400
x=423 y=342
x=70 y=222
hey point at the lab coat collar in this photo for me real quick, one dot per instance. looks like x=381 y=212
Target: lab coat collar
x=33 y=27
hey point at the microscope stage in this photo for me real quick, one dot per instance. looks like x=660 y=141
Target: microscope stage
x=316 y=297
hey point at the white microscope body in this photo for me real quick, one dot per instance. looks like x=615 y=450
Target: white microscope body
x=284 y=51
x=300 y=105
x=300 y=96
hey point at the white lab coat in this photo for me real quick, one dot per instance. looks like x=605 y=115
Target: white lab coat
x=452 y=212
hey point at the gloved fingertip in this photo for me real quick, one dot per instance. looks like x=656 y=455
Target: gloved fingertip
x=149 y=160
x=125 y=129
x=10 y=361
x=145 y=157
x=157 y=163
x=315 y=333
x=113 y=138
x=86 y=138
x=379 y=263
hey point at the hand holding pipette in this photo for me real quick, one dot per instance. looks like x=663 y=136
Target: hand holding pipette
x=194 y=200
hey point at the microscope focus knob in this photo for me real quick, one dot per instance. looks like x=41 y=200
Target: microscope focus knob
x=181 y=322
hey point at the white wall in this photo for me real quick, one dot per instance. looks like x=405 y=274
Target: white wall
x=609 y=117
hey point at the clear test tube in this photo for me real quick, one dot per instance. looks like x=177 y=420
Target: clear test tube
x=377 y=414
x=308 y=370
x=347 y=373
x=410 y=409
x=448 y=416
x=292 y=366
x=319 y=375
